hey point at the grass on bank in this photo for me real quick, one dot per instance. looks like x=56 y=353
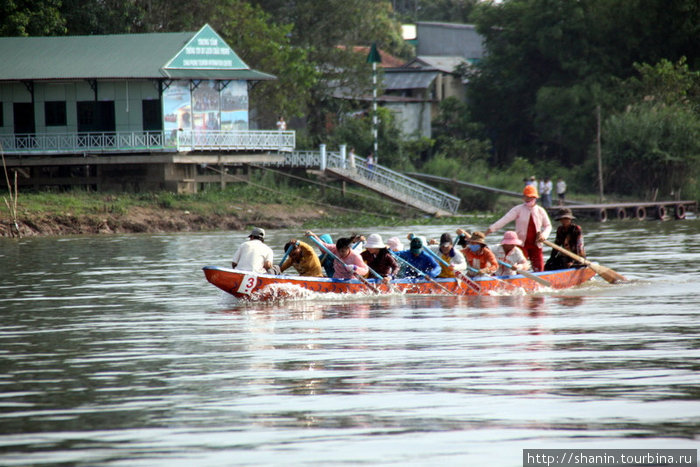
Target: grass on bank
x=355 y=207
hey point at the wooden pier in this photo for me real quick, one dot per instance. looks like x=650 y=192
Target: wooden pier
x=640 y=210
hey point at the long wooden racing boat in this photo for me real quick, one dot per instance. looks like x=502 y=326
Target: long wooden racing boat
x=252 y=286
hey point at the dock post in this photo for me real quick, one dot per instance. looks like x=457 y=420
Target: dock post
x=322 y=151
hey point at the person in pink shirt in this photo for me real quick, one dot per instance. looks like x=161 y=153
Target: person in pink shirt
x=531 y=223
x=353 y=263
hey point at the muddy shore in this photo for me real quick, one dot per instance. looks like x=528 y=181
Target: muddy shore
x=157 y=220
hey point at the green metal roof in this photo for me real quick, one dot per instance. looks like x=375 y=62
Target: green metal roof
x=249 y=75
x=122 y=56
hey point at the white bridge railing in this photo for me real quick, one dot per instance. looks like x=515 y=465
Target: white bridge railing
x=378 y=174
x=219 y=140
x=150 y=141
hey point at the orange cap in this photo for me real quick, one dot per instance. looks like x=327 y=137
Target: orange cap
x=530 y=191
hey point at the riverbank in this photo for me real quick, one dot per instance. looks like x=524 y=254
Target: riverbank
x=79 y=213
x=156 y=220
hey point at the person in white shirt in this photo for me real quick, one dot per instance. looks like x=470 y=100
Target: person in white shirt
x=509 y=252
x=281 y=124
x=561 y=190
x=532 y=225
x=546 y=193
x=254 y=255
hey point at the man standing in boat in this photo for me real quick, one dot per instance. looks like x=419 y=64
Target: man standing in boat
x=254 y=255
x=531 y=223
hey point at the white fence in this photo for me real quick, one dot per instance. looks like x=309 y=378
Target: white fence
x=149 y=141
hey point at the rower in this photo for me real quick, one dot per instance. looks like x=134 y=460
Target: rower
x=569 y=236
x=419 y=259
x=302 y=258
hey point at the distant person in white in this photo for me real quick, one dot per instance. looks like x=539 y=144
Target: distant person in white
x=281 y=124
x=253 y=255
x=561 y=191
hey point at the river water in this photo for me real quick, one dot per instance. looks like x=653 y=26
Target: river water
x=114 y=350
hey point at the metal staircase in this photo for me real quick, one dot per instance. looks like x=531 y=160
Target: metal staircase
x=380 y=179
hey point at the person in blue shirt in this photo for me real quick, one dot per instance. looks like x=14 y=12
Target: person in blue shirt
x=420 y=260
x=326 y=259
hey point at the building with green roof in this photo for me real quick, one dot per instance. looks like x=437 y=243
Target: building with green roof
x=128 y=111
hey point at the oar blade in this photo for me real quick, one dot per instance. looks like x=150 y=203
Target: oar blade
x=535 y=278
x=608 y=274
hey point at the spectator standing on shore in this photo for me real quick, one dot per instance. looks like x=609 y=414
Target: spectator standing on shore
x=531 y=223
x=281 y=124
x=561 y=191
x=546 y=193
x=370 y=165
x=351 y=158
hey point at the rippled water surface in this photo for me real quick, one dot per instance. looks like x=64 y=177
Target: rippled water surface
x=115 y=350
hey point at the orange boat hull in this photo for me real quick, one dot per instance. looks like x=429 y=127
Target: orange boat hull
x=252 y=286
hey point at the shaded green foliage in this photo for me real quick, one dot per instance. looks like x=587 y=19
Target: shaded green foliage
x=654 y=142
x=652 y=147
x=31 y=18
x=452 y=11
x=550 y=62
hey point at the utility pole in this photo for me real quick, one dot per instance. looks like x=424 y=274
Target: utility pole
x=600 y=158
x=374 y=58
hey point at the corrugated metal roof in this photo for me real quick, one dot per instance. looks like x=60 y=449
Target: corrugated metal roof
x=449 y=39
x=408 y=79
x=119 y=56
x=444 y=64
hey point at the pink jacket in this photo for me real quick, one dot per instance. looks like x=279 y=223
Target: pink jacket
x=521 y=215
x=340 y=272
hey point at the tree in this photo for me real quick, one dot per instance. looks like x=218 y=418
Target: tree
x=327 y=31
x=452 y=11
x=654 y=143
x=549 y=62
x=250 y=31
x=31 y=18
x=651 y=147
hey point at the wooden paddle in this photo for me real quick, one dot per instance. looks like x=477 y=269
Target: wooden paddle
x=359 y=277
x=403 y=261
x=380 y=278
x=458 y=274
x=606 y=273
x=527 y=274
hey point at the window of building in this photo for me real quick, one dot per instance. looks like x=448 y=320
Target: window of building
x=152 y=120
x=24 y=118
x=55 y=113
x=95 y=116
